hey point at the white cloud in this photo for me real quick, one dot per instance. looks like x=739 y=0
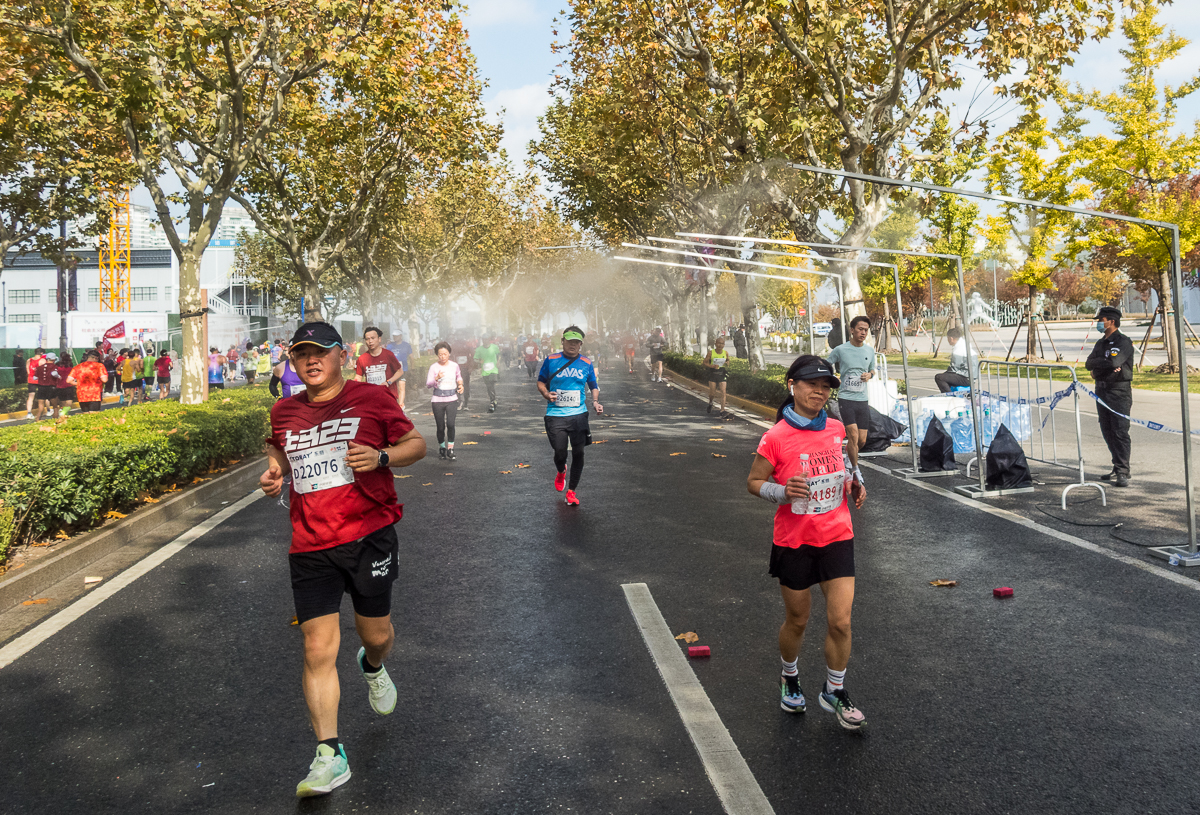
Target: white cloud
x=499 y=12
x=520 y=108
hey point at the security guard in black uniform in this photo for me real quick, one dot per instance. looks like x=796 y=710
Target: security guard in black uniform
x=1111 y=364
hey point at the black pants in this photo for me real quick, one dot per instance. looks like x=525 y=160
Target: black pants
x=490 y=381
x=466 y=394
x=530 y=367
x=444 y=414
x=948 y=381
x=1114 y=428
x=561 y=430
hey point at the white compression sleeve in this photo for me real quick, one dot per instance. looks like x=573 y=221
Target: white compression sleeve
x=775 y=493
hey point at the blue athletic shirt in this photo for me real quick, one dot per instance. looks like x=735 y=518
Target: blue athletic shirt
x=577 y=377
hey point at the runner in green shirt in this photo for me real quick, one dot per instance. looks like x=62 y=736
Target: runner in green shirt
x=148 y=373
x=855 y=362
x=488 y=357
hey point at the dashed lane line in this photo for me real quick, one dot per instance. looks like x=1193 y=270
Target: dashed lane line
x=44 y=631
x=727 y=770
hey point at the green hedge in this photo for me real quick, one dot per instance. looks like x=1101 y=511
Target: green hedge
x=767 y=387
x=67 y=475
x=13 y=399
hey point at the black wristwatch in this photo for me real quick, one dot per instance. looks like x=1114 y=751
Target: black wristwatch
x=383 y=458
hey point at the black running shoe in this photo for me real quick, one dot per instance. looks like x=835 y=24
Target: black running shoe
x=441 y=452
x=791 y=698
x=449 y=455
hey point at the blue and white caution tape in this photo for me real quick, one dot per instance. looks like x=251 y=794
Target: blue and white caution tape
x=1160 y=428
x=1053 y=399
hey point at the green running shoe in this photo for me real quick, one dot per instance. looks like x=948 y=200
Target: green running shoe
x=328 y=770
x=383 y=692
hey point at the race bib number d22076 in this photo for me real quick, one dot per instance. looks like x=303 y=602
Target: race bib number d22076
x=568 y=398
x=320 y=468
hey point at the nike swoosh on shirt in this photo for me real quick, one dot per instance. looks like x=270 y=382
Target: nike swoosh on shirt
x=347 y=409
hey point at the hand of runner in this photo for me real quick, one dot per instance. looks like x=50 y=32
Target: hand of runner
x=797 y=487
x=552 y=396
x=272 y=480
x=362 y=459
x=867 y=375
x=859 y=493
x=599 y=407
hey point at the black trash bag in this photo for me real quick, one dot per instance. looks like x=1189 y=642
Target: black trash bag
x=1007 y=467
x=937 y=450
x=882 y=432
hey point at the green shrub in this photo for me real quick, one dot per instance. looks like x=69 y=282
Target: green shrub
x=67 y=475
x=13 y=399
x=767 y=387
x=8 y=523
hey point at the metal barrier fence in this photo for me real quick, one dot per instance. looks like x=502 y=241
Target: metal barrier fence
x=1027 y=395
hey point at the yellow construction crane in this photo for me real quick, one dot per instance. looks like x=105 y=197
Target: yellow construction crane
x=115 y=256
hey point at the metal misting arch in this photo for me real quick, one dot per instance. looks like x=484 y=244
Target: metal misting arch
x=899 y=313
x=1176 y=555
x=973 y=375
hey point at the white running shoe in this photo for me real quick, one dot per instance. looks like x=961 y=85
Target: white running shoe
x=383 y=691
x=328 y=770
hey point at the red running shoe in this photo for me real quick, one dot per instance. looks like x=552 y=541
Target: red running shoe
x=571 y=499
x=560 y=482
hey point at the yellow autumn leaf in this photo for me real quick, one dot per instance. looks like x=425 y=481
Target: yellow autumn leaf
x=718 y=455
x=679 y=454
x=943 y=582
x=688 y=636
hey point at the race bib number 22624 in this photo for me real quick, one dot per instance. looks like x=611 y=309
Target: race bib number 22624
x=320 y=468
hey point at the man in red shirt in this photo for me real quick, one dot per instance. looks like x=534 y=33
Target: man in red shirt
x=338 y=441
x=31 y=376
x=379 y=366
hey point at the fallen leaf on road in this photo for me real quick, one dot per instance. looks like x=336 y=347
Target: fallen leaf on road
x=943 y=583
x=679 y=454
x=718 y=455
x=506 y=472
x=630 y=441
x=200 y=480
x=724 y=439
x=112 y=513
x=296 y=620
x=430 y=484
x=602 y=441
x=524 y=466
x=688 y=636
x=475 y=442
x=87 y=581
x=404 y=476
x=38 y=602
x=716 y=427
x=447 y=473
x=62 y=536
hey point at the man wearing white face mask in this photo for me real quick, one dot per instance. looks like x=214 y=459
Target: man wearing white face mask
x=1111 y=364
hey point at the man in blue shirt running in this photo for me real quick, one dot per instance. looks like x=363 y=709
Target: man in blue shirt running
x=564 y=381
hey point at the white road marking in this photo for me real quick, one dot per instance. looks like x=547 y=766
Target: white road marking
x=44 y=631
x=1154 y=569
x=727 y=770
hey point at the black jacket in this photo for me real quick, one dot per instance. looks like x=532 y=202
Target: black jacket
x=1112 y=352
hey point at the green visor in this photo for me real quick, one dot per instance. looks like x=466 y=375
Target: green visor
x=573 y=335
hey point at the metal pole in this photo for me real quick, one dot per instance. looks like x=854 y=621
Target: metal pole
x=1177 y=296
x=62 y=291
x=932 y=321
x=912 y=428
x=811 y=340
x=972 y=378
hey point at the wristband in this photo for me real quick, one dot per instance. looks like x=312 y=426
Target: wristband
x=775 y=493
x=384 y=458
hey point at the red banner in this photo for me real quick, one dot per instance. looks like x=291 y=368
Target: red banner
x=116 y=332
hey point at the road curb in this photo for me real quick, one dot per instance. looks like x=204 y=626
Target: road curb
x=745 y=404
x=92 y=546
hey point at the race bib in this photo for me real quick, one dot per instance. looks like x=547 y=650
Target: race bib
x=824 y=494
x=292 y=390
x=531 y=350
x=377 y=375
x=461 y=360
x=320 y=468
x=569 y=398
x=445 y=382
x=852 y=383
x=719 y=361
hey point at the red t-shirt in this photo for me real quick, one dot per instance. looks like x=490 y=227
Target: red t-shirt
x=531 y=352
x=378 y=370
x=90 y=387
x=31 y=369
x=313 y=436
x=64 y=370
x=783 y=445
x=163 y=366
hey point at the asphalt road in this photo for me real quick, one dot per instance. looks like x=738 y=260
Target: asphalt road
x=524 y=685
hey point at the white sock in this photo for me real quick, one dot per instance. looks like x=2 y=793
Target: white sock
x=834 y=680
x=789 y=668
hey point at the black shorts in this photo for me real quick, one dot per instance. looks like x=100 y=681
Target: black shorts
x=33 y=387
x=719 y=375
x=220 y=386
x=563 y=429
x=855 y=413
x=89 y=407
x=365 y=569
x=163 y=380
x=132 y=384
x=656 y=358
x=46 y=392
x=799 y=568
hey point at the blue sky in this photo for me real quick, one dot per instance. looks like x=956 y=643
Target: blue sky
x=512 y=38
